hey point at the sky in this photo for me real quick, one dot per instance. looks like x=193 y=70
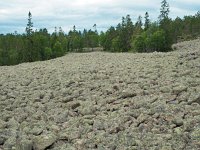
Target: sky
x=83 y=13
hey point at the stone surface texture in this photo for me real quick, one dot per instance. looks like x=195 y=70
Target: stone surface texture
x=103 y=101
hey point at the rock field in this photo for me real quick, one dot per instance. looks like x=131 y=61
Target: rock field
x=103 y=101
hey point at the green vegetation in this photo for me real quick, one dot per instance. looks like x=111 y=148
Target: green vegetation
x=126 y=36
x=151 y=36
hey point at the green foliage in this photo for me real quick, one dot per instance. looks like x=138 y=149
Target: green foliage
x=47 y=53
x=29 y=27
x=119 y=39
x=139 y=43
x=106 y=38
x=150 y=41
x=126 y=36
x=57 y=50
x=13 y=57
x=115 y=44
x=156 y=42
x=1 y=57
x=147 y=21
x=164 y=10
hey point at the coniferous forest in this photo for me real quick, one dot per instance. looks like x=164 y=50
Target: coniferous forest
x=144 y=35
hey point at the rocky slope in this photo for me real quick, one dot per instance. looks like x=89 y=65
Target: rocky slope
x=103 y=101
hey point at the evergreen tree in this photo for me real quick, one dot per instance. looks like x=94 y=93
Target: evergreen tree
x=29 y=28
x=57 y=50
x=164 y=10
x=95 y=27
x=165 y=24
x=139 y=24
x=47 y=53
x=147 y=21
x=125 y=34
x=29 y=54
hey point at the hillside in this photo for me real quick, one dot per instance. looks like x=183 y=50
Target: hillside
x=102 y=101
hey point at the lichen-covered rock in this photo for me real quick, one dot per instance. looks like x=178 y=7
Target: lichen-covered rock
x=24 y=144
x=2 y=124
x=178 y=121
x=10 y=143
x=43 y=141
x=178 y=89
x=195 y=135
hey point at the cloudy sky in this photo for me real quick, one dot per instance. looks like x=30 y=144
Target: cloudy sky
x=83 y=13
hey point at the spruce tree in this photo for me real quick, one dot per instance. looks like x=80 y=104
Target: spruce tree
x=29 y=28
x=164 y=10
x=139 y=22
x=29 y=55
x=165 y=23
x=147 y=21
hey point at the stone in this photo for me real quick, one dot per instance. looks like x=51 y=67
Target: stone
x=75 y=105
x=194 y=99
x=178 y=131
x=36 y=130
x=166 y=148
x=2 y=140
x=10 y=144
x=127 y=94
x=69 y=134
x=165 y=89
x=12 y=123
x=178 y=89
x=2 y=124
x=142 y=118
x=116 y=87
x=25 y=145
x=177 y=121
x=43 y=141
x=195 y=135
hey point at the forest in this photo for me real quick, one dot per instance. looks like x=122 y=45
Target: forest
x=144 y=35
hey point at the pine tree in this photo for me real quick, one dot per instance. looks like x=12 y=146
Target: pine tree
x=29 y=55
x=147 y=21
x=95 y=27
x=139 y=22
x=165 y=24
x=164 y=10
x=29 y=28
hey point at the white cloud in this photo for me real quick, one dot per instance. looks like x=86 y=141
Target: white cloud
x=84 y=13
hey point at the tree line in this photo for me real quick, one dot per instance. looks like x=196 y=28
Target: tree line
x=148 y=36
x=141 y=36
x=40 y=45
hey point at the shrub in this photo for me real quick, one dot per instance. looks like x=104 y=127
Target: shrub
x=47 y=53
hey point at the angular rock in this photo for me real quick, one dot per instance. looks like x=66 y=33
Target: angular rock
x=12 y=123
x=178 y=122
x=75 y=105
x=194 y=99
x=24 y=145
x=195 y=135
x=10 y=144
x=2 y=124
x=43 y=141
x=178 y=89
x=127 y=94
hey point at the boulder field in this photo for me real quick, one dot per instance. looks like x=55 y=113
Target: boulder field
x=103 y=101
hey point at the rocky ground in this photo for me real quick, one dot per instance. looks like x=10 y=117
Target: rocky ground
x=103 y=101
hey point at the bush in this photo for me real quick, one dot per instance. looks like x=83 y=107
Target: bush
x=150 y=42
x=58 y=50
x=139 y=43
x=156 y=42
x=47 y=53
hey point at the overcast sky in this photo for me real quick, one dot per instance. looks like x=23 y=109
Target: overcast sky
x=83 y=13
